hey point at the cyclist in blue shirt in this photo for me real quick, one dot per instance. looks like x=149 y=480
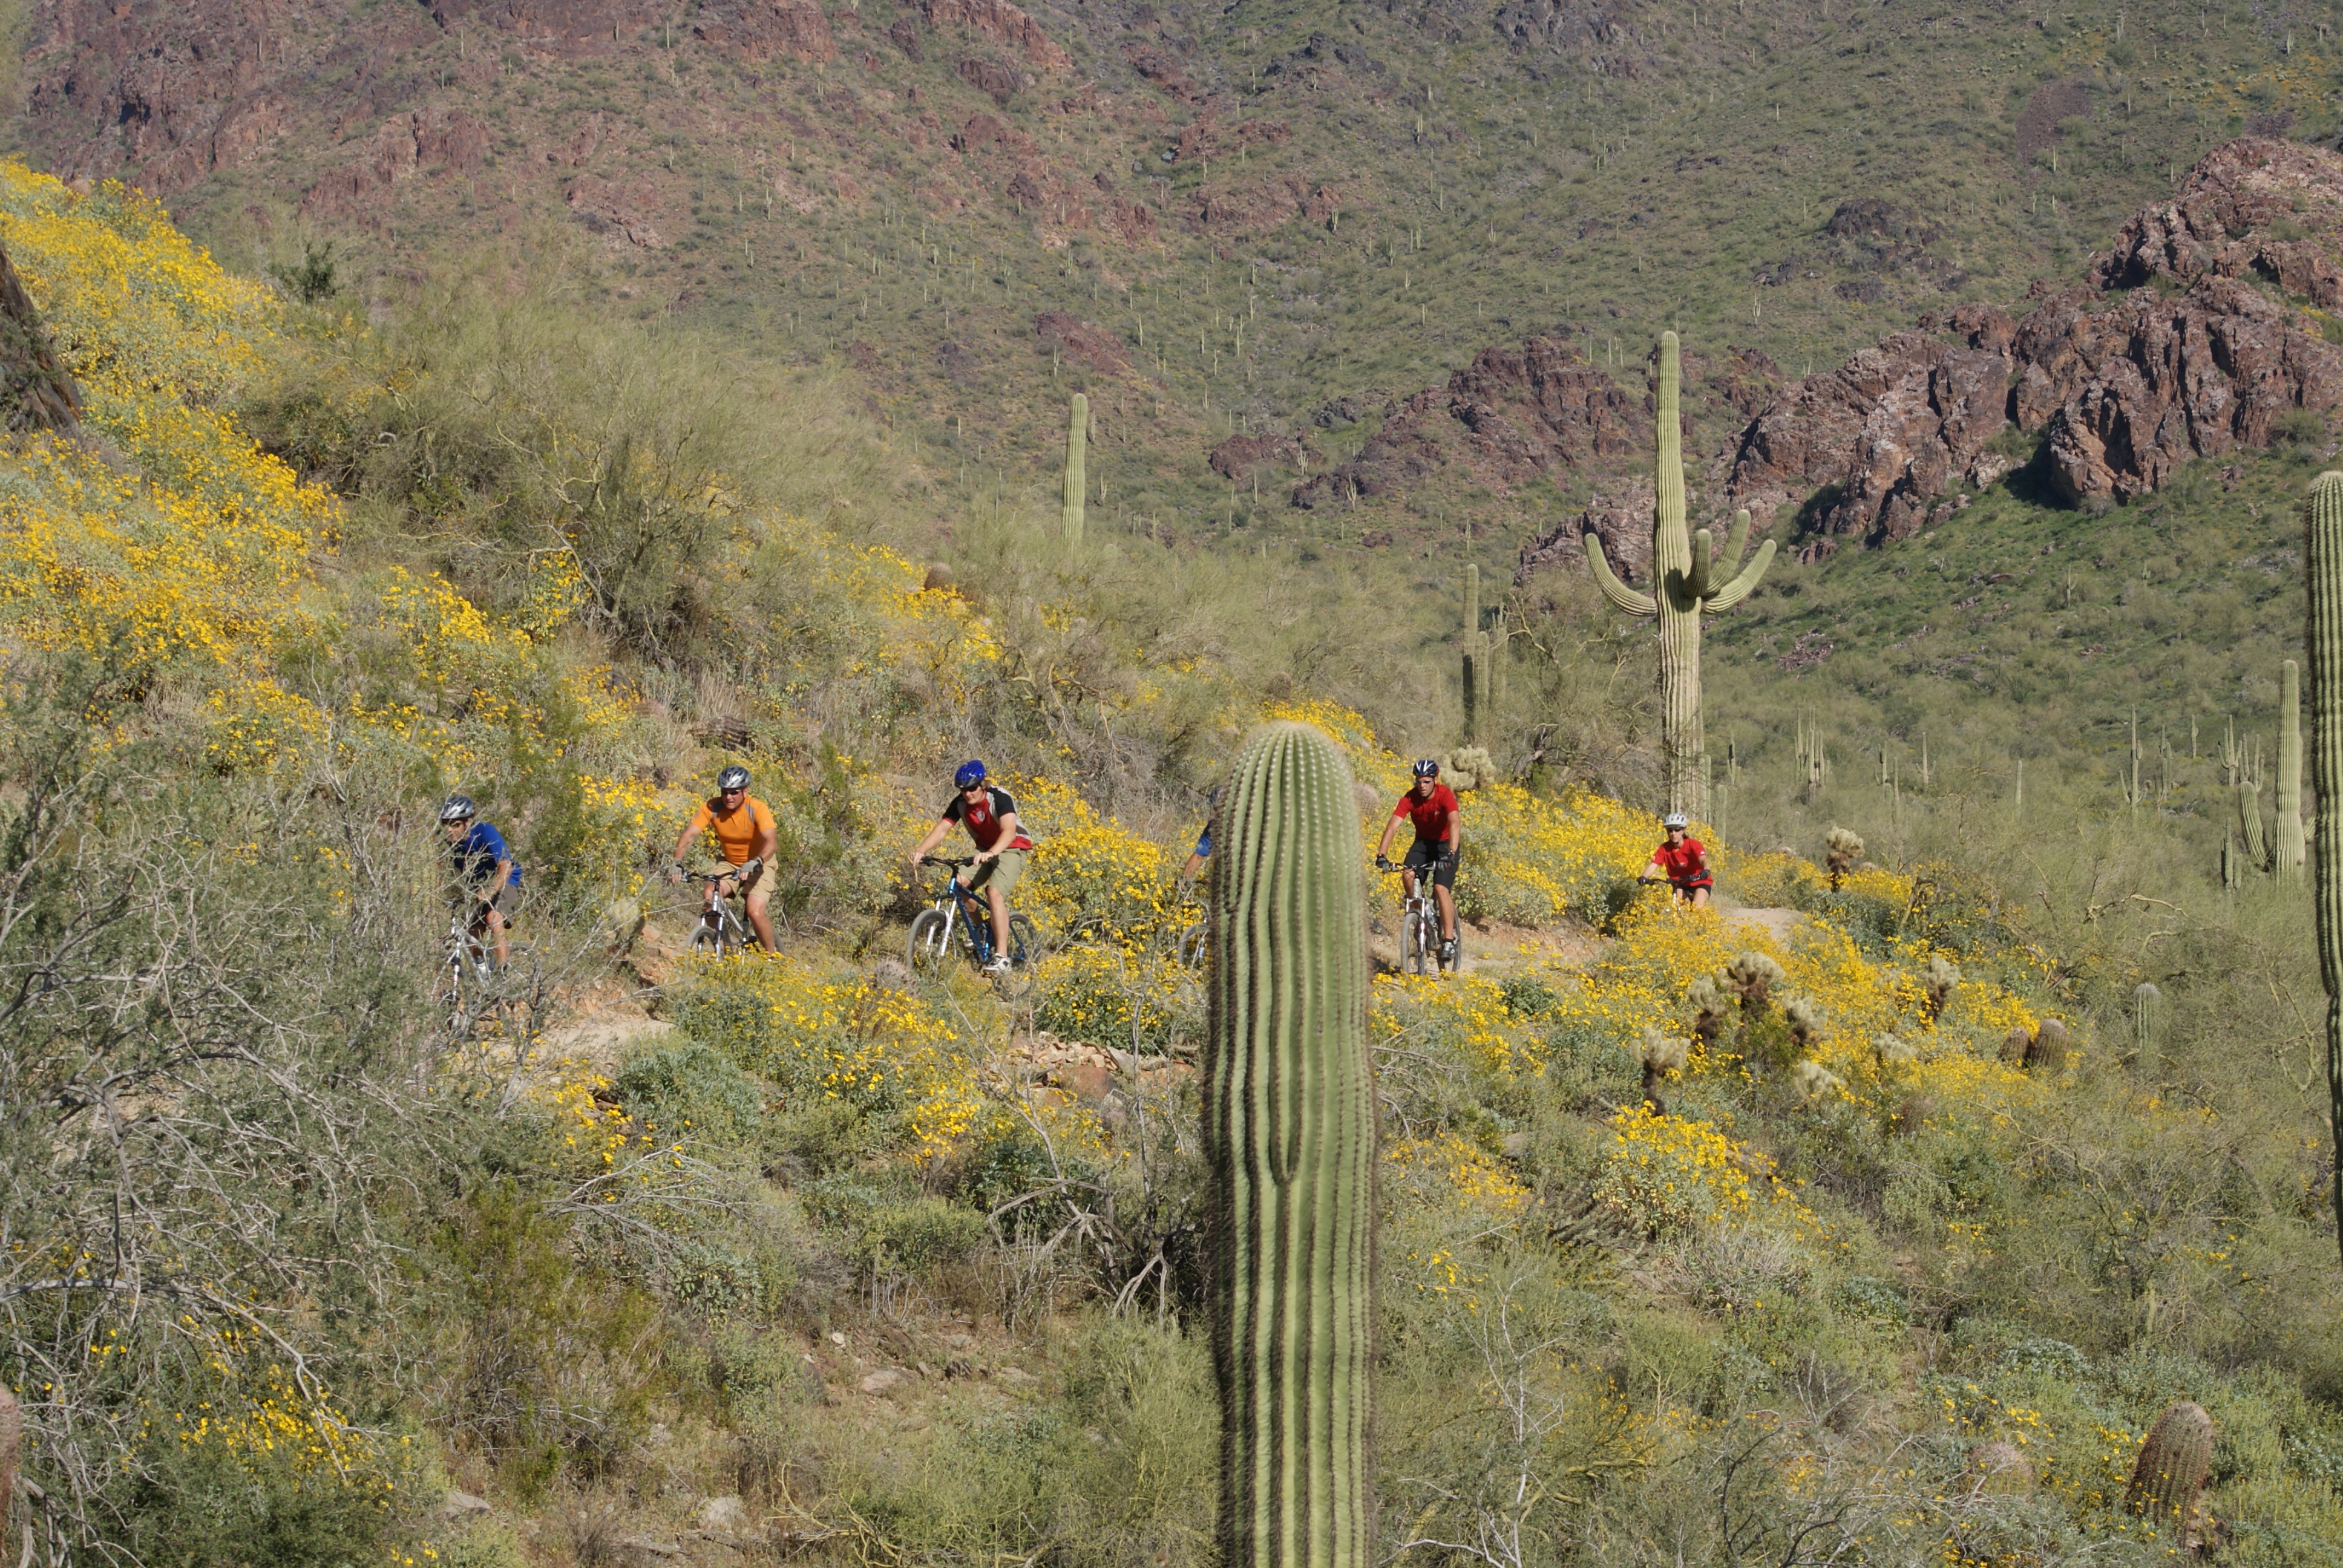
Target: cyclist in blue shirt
x=1204 y=850
x=486 y=872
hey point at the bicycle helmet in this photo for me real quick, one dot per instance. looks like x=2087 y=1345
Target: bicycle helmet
x=970 y=775
x=733 y=777
x=1675 y=819
x=1425 y=768
x=457 y=809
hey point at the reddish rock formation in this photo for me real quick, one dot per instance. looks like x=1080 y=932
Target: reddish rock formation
x=1002 y=23
x=1621 y=516
x=1883 y=435
x=1207 y=137
x=447 y=139
x=990 y=77
x=1264 y=206
x=2222 y=224
x=1512 y=414
x=1240 y=457
x=1093 y=348
x=766 y=29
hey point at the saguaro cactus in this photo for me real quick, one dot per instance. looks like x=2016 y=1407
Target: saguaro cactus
x=1289 y=1130
x=1687 y=582
x=1077 y=434
x=2286 y=848
x=1475 y=647
x=2323 y=567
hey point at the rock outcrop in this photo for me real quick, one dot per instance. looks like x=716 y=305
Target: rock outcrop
x=1240 y=457
x=1621 y=516
x=2187 y=340
x=1090 y=346
x=1003 y=24
x=763 y=30
x=1515 y=413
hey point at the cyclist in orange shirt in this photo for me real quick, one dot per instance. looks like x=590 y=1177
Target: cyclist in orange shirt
x=747 y=838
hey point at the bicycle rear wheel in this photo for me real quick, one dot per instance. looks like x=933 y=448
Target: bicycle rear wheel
x=930 y=948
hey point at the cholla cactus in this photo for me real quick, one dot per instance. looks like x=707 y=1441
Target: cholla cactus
x=1936 y=983
x=1844 y=854
x=1710 y=1006
x=1997 y=1468
x=1468 y=768
x=2048 y=1049
x=1804 y=1019
x=2170 y=1473
x=1752 y=976
x=1893 y=1053
x=1663 y=1054
x=1814 y=1083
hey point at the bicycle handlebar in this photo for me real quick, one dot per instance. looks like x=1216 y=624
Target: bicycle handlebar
x=947 y=861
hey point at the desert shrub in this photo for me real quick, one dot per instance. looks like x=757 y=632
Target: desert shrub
x=688 y=1090
x=1105 y=995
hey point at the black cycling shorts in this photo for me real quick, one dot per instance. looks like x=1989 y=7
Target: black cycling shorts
x=1422 y=853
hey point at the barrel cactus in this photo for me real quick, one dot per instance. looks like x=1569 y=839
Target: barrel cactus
x=1289 y=1130
x=2323 y=571
x=2048 y=1049
x=1688 y=581
x=2170 y=1473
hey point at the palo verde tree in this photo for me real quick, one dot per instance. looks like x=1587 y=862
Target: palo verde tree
x=1687 y=582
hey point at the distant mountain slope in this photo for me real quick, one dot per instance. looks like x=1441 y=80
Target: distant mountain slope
x=1271 y=212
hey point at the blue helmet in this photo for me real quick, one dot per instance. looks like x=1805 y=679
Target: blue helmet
x=971 y=774
x=1425 y=768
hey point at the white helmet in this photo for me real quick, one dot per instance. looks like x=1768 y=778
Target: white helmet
x=1675 y=819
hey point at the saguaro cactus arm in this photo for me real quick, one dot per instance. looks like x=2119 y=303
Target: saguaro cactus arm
x=1621 y=596
x=2323 y=569
x=1289 y=1132
x=1740 y=588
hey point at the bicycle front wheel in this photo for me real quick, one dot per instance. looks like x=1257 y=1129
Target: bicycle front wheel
x=1421 y=950
x=1192 y=942
x=930 y=944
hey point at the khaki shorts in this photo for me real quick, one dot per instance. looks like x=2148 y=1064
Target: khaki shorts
x=743 y=886
x=1001 y=872
x=507 y=901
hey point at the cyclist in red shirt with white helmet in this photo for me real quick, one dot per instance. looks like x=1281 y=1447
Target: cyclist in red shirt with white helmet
x=1434 y=810
x=1682 y=862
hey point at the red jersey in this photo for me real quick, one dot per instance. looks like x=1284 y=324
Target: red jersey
x=982 y=820
x=1686 y=864
x=1434 y=816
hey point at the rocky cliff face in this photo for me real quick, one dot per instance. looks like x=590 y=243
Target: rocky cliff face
x=2201 y=331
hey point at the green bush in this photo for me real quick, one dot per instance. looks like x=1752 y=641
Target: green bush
x=688 y=1090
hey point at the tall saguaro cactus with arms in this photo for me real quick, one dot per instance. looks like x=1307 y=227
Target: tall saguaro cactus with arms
x=1688 y=581
x=1289 y=1130
x=2323 y=561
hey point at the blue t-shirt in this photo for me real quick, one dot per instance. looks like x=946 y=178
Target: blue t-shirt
x=478 y=852
x=1204 y=843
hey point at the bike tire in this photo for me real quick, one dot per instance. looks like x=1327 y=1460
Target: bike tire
x=926 y=951
x=1192 y=943
x=1456 y=966
x=1418 y=958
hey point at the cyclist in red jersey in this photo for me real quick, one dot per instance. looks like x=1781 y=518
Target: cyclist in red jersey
x=1682 y=862
x=1432 y=808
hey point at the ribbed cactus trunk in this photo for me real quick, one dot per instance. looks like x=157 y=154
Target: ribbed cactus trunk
x=1687 y=582
x=2288 y=851
x=1077 y=434
x=2323 y=565
x=1289 y=1130
x=1681 y=743
x=1476 y=662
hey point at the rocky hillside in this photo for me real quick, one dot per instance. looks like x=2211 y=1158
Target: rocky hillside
x=2207 y=330
x=1268 y=229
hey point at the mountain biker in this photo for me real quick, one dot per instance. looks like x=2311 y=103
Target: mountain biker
x=1682 y=862
x=1204 y=850
x=486 y=874
x=989 y=815
x=747 y=838
x=1432 y=808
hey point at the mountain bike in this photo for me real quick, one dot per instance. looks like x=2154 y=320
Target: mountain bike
x=720 y=934
x=1195 y=937
x=958 y=911
x=464 y=992
x=1419 y=928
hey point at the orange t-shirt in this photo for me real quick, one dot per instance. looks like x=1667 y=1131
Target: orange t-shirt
x=737 y=830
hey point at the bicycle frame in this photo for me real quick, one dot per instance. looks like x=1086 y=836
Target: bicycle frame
x=965 y=913
x=720 y=926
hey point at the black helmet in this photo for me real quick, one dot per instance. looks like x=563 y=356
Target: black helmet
x=733 y=777
x=457 y=809
x=1425 y=768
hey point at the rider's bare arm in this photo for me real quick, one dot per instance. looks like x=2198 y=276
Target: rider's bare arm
x=935 y=836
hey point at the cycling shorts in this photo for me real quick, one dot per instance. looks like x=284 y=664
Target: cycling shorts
x=1425 y=852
